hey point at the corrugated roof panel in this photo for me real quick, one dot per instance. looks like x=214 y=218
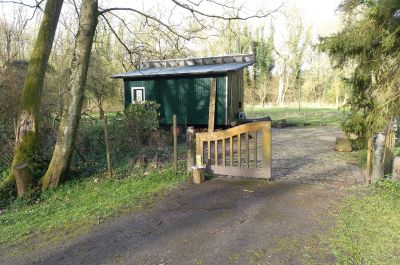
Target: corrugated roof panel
x=184 y=70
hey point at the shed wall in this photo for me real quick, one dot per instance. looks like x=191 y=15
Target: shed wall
x=187 y=97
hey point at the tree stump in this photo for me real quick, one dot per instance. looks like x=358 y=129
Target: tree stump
x=343 y=145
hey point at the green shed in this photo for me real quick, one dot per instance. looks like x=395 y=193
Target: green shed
x=182 y=87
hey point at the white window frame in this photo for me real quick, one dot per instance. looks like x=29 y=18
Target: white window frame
x=133 y=93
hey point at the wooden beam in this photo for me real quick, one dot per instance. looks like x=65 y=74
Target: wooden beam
x=211 y=112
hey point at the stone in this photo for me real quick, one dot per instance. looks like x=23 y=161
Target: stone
x=396 y=168
x=343 y=145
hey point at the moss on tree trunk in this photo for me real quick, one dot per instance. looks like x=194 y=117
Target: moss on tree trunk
x=66 y=134
x=27 y=141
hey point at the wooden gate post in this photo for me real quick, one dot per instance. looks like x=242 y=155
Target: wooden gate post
x=190 y=153
x=211 y=111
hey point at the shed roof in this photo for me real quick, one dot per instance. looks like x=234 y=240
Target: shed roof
x=211 y=69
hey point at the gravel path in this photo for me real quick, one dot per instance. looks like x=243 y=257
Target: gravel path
x=306 y=155
x=228 y=221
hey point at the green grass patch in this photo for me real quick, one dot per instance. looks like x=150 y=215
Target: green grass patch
x=294 y=117
x=81 y=203
x=368 y=227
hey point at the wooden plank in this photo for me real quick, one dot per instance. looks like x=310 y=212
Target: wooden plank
x=223 y=153
x=216 y=152
x=254 y=126
x=231 y=151
x=238 y=171
x=239 y=150
x=211 y=112
x=209 y=153
x=255 y=149
x=266 y=151
x=247 y=150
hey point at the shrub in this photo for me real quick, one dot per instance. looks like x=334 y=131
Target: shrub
x=141 y=119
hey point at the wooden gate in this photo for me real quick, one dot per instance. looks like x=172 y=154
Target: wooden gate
x=242 y=151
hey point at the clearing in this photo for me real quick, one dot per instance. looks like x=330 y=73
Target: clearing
x=228 y=221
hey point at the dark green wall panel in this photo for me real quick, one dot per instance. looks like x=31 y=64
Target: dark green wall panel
x=188 y=98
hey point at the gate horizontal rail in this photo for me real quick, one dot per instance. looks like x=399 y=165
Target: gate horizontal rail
x=221 y=151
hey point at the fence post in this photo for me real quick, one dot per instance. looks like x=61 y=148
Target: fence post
x=190 y=153
x=369 y=161
x=175 y=142
x=378 y=157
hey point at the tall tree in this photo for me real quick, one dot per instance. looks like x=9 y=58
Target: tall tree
x=27 y=142
x=66 y=134
x=370 y=43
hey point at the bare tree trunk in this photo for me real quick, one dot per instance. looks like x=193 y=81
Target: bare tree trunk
x=27 y=128
x=62 y=155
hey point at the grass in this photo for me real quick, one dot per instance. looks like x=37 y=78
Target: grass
x=368 y=227
x=82 y=203
x=294 y=117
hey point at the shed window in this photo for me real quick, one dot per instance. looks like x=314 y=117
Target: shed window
x=138 y=94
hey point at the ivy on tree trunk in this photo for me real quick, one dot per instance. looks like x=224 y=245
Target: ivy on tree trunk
x=66 y=134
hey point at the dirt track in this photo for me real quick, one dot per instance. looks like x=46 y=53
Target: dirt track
x=225 y=221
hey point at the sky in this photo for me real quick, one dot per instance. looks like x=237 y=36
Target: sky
x=321 y=15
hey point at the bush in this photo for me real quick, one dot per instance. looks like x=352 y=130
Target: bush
x=141 y=119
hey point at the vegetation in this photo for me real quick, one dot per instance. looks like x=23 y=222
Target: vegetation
x=368 y=45
x=82 y=203
x=368 y=227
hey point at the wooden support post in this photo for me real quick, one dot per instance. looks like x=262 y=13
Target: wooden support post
x=266 y=150
x=369 y=162
x=190 y=154
x=175 y=133
x=211 y=112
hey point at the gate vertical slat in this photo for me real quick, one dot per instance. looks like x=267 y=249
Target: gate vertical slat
x=231 y=151
x=247 y=150
x=239 y=151
x=216 y=152
x=223 y=152
x=255 y=149
x=209 y=153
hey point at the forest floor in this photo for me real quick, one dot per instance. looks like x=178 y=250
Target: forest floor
x=227 y=221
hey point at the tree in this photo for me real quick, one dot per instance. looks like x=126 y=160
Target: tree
x=369 y=44
x=61 y=160
x=292 y=57
x=101 y=88
x=27 y=142
x=263 y=51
